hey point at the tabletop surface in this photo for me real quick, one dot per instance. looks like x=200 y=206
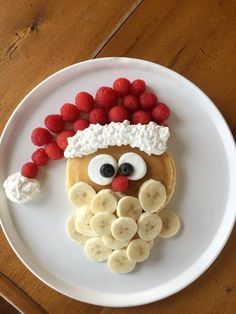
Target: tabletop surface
x=194 y=38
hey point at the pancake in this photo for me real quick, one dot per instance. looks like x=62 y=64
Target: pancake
x=159 y=167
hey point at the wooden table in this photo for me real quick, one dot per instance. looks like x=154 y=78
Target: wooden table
x=194 y=38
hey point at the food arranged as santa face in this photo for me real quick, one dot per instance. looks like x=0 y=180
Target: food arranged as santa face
x=119 y=177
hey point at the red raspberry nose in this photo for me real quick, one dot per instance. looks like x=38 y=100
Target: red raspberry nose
x=120 y=184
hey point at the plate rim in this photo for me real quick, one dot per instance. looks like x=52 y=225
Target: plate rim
x=101 y=298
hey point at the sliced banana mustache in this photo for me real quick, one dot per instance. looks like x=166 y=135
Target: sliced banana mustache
x=170 y=223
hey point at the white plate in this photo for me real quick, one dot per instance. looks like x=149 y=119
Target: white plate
x=205 y=197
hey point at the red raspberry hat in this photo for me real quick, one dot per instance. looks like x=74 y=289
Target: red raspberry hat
x=126 y=114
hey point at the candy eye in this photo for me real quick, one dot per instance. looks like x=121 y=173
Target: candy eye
x=132 y=166
x=102 y=169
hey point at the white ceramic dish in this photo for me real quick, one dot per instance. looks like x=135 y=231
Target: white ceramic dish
x=205 y=197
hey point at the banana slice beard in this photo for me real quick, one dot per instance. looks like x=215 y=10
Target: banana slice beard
x=81 y=194
x=100 y=223
x=95 y=250
x=104 y=201
x=73 y=234
x=129 y=206
x=149 y=226
x=123 y=228
x=152 y=195
x=170 y=223
x=84 y=229
x=113 y=243
x=138 y=250
x=84 y=214
x=118 y=262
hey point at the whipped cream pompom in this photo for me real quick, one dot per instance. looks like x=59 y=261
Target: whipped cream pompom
x=20 y=189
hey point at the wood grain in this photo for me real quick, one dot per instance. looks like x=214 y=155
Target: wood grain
x=17 y=297
x=41 y=37
x=6 y=307
x=194 y=38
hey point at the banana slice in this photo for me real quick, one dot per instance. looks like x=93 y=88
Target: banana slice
x=95 y=250
x=81 y=194
x=129 y=206
x=84 y=229
x=104 y=201
x=73 y=234
x=149 y=226
x=151 y=243
x=118 y=262
x=152 y=195
x=170 y=223
x=100 y=223
x=84 y=214
x=138 y=250
x=123 y=228
x=113 y=243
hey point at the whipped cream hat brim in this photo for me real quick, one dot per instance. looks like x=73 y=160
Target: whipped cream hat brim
x=149 y=138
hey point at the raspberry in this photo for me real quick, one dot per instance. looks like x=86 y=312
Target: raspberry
x=80 y=125
x=39 y=157
x=121 y=86
x=118 y=114
x=160 y=113
x=120 y=184
x=40 y=136
x=138 y=87
x=148 y=100
x=62 y=138
x=54 y=123
x=131 y=103
x=29 y=170
x=98 y=116
x=84 y=101
x=105 y=97
x=143 y=117
x=69 y=112
x=53 y=151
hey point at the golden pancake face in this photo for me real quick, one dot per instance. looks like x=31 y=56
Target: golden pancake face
x=160 y=168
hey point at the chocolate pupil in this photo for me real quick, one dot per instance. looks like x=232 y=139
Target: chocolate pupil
x=126 y=169
x=107 y=170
